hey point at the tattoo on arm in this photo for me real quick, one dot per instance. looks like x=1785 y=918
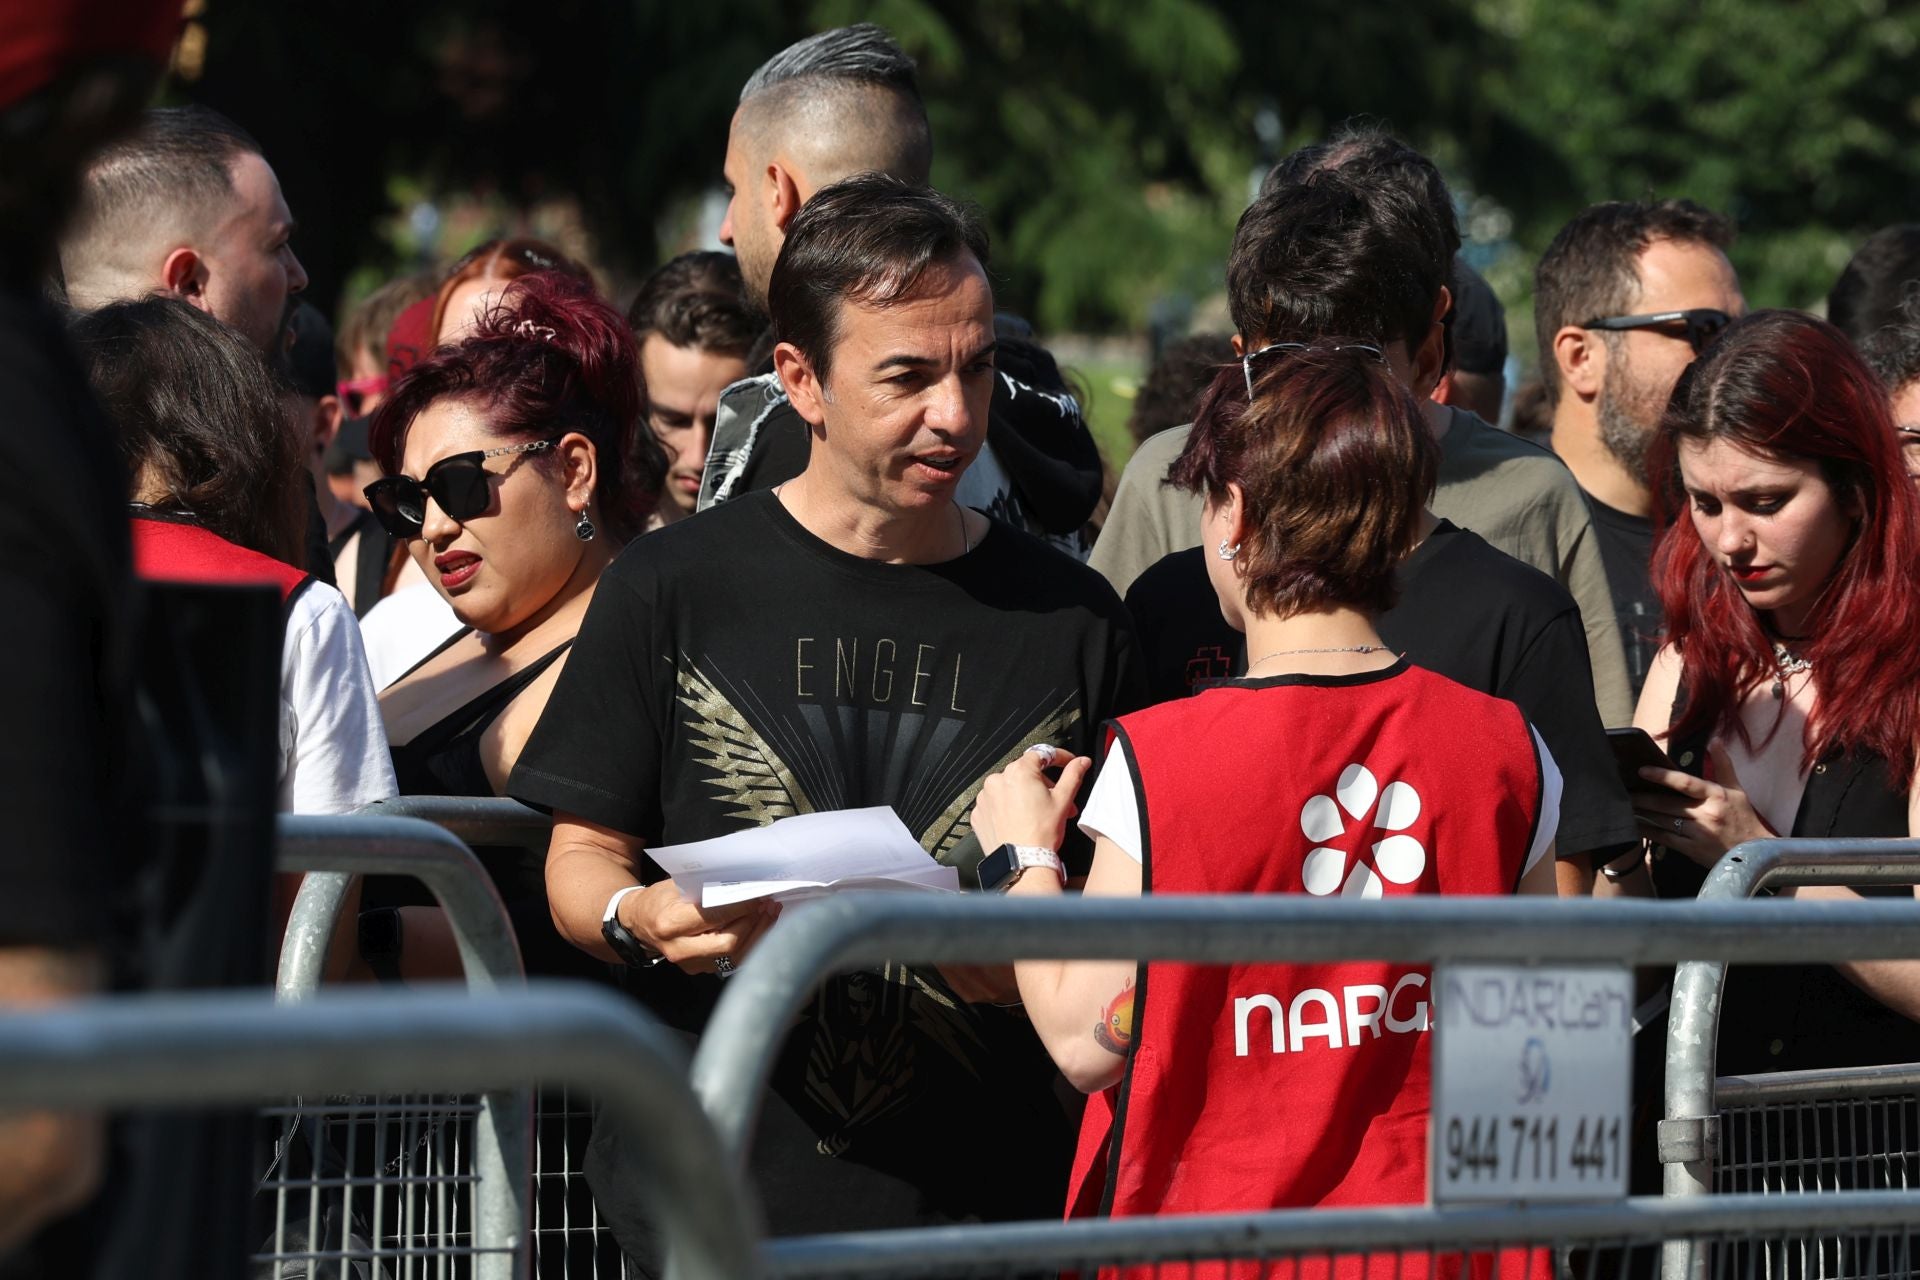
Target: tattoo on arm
x=1114 y=1031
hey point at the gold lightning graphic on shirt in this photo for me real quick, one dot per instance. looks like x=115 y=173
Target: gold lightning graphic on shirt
x=747 y=771
x=956 y=824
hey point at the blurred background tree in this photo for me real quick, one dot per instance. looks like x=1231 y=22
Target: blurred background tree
x=1111 y=145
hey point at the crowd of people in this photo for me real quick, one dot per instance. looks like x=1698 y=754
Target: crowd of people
x=814 y=525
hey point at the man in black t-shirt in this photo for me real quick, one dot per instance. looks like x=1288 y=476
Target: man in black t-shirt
x=854 y=638
x=1624 y=298
x=1467 y=611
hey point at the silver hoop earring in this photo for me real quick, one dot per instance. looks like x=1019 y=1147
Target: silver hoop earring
x=584 y=530
x=1228 y=552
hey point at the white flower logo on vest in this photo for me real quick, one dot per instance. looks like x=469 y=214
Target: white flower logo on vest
x=1400 y=858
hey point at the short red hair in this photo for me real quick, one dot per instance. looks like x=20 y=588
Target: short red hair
x=1783 y=384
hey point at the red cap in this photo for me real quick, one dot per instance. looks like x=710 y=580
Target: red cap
x=410 y=338
x=41 y=38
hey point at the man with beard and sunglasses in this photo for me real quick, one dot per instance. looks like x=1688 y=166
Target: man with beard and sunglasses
x=1626 y=296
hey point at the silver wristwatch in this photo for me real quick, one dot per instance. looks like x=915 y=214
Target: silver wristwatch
x=999 y=869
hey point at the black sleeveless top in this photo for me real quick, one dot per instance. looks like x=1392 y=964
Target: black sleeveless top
x=444 y=760
x=1797 y=1017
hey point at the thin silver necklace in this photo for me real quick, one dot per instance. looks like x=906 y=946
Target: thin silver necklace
x=1288 y=653
x=1786 y=664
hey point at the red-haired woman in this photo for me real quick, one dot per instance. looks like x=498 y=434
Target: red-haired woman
x=473 y=285
x=412 y=620
x=505 y=477
x=1327 y=770
x=1789 y=686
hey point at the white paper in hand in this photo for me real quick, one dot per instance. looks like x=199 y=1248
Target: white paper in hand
x=805 y=857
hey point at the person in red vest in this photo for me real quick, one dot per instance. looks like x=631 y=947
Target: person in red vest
x=217 y=476
x=1333 y=769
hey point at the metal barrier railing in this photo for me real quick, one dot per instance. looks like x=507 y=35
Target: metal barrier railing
x=179 y=1050
x=569 y=1238
x=1754 y=1121
x=734 y=1061
x=426 y=1191
x=1585 y=1241
x=475 y=820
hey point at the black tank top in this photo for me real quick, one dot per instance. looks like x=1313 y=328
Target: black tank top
x=444 y=760
x=1796 y=1017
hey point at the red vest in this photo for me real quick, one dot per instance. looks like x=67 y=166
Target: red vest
x=173 y=551
x=1261 y=1086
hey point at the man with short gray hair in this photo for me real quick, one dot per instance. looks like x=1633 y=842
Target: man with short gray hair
x=837 y=104
x=186 y=206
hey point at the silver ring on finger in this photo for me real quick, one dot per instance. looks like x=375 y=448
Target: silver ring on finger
x=1677 y=822
x=724 y=966
x=1046 y=751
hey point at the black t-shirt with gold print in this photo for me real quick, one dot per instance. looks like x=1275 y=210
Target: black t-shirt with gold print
x=734 y=669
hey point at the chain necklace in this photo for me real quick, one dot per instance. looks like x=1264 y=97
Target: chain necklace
x=1786 y=664
x=1288 y=653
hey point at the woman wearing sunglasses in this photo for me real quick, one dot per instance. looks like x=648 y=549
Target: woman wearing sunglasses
x=505 y=479
x=1788 y=690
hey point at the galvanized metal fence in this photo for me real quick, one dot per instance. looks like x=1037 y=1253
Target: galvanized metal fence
x=569 y=1240
x=735 y=1058
x=159 y=1051
x=1732 y=1234
x=1821 y=1132
x=406 y=1185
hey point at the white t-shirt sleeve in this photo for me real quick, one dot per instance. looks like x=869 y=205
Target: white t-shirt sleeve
x=1551 y=786
x=333 y=748
x=1113 y=806
x=404 y=628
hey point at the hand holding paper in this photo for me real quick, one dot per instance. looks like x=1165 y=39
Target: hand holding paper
x=806 y=856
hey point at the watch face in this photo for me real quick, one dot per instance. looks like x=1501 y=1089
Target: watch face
x=997 y=868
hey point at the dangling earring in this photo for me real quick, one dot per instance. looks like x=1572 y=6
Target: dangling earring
x=584 y=530
x=1228 y=552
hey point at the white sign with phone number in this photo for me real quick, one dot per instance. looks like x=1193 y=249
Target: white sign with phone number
x=1531 y=1071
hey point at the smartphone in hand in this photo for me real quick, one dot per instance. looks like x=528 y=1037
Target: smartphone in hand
x=1634 y=750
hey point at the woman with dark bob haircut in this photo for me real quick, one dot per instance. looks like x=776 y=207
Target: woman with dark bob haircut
x=506 y=479
x=1788 y=690
x=1332 y=768
x=217 y=478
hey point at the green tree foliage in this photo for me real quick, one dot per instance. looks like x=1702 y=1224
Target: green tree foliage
x=1797 y=119
x=1111 y=143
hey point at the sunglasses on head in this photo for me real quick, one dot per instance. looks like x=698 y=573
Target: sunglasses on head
x=461 y=485
x=1246 y=361
x=353 y=392
x=1701 y=324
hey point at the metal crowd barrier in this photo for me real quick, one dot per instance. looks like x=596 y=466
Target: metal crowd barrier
x=735 y=1058
x=1585 y=1242
x=416 y=1180
x=191 y=1050
x=569 y=1238
x=1782 y=1131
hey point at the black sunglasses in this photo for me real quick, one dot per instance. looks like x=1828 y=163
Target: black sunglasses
x=1702 y=323
x=460 y=484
